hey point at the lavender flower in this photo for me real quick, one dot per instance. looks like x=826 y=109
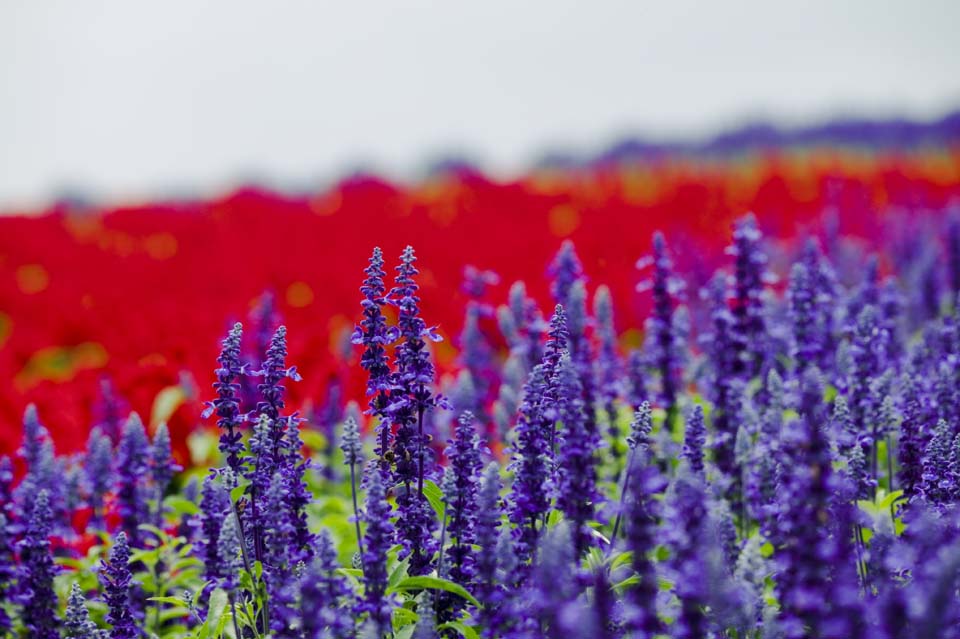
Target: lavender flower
x=296 y=496
x=485 y=585
x=42 y=468
x=377 y=541
x=162 y=465
x=566 y=269
x=466 y=465
x=686 y=537
x=8 y=571
x=133 y=459
x=215 y=507
x=36 y=595
x=117 y=590
x=323 y=595
x=530 y=466
x=274 y=371
x=641 y=613
x=227 y=404
x=608 y=366
x=694 y=438
x=666 y=343
x=98 y=468
x=353 y=456
x=577 y=494
x=76 y=622
x=937 y=486
x=749 y=275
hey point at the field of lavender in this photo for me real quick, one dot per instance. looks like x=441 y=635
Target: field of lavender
x=778 y=458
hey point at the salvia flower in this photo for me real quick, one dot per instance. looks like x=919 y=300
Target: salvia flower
x=162 y=465
x=694 y=438
x=36 y=595
x=8 y=571
x=76 y=622
x=466 y=465
x=273 y=371
x=132 y=466
x=215 y=508
x=749 y=279
x=98 y=468
x=324 y=595
x=487 y=526
x=117 y=584
x=378 y=539
x=566 y=270
x=640 y=516
x=227 y=404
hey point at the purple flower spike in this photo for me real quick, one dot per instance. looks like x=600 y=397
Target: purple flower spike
x=133 y=464
x=37 y=598
x=227 y=404
x=378 y=540
x=117 y=589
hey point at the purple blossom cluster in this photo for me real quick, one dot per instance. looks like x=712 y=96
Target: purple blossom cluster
x=792 y=472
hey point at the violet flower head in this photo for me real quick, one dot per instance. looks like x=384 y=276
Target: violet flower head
x=215 y=508
x=566 y=269
x=350 y=443
x=531 y=467
x=163 y=467
x=953 y=254
x=640 y=427
x=937 y=485
x=8 y=571
x=227 y=404
x=641 y=522
x=42 y=467
x=378 y=540
x=609 y=368
x=686 y=536
x=913 y=434
x=807 y=337
x=749 y=278
x=132 y=467
x=694 y=438
x=77 y=622
x=867 y=351
x=324 y=594
x=274 y=371
x=722 y=351
x=665 y=343
x=485 y=585
x=229 y=553
x=577 y=494
x=552 y=591
x=466 y=465
x=375 y=336
x=36 y=595
x=117 y=589
x=98 y=468
x=296 y=494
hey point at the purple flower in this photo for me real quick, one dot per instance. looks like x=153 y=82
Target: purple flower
x=938 y=486
x=913 y=434
x=530 y=465
x=749 y=275
x=953 y=254
x=8 y=571
x=133 y=464
x=694 y=437
x=324 y=594
x=378 y=540
x=117 y=590
x=98 y=468
x=215 y=507
x=36 y=595
x=466 y=465
x=686 y=519
x=274 y=371
x=566 y=270
x=162 y=465
x=665 y=342
x=227 y=404
x=608 y=366
x=296 y=495
x=486 y=587
x=76 y=622
x=577 y=494
x=43 y=469
x=640 y=515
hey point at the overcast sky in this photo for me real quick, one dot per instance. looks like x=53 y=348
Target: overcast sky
x=124 y=99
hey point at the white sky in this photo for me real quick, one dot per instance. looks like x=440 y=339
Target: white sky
x=125 y=99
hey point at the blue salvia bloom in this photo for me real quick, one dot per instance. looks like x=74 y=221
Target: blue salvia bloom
x=296 y=494
x=215 y=508
x=947 y=387
x=162 y=465
x=577 y=494
x=581 y=352
x=636 y=378
x=843 y=428
x=609 y=368
x=229 y=553
x=476 y=354
x=117 y=589
x=36 y=595
x=227 y=404
x=279 y=551
x=565 y=270
x=937 y=486
x=556 y=348
x=466 y=465
x=640 y=515
x=640 y=428
x=531 y=467
x=867 y=293
x=132 y=466
x=861 y=479
x=8 y=571
x=867 y=350
x=552 y=592
x=98 y=468
x=76 y=621
x=824 y=284
x=273 y=371
x=375 y=336
x=890 y=308
x=426 y=627
x=260 y=474
x=913 y=429
x=694 y=438
x=43 y=471
x=807 y=333
x=324 y=595
x=377 y=540
x=109 y=411
x=810 y=551
x=686 y=519
x=485 y=587
x=350 y=442
x=665 y=341
x=749 y=274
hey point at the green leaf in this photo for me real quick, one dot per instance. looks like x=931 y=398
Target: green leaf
x=629 y=581
x=435 y=496
x=181 y=505
x=403 y=617
x=466 y=631
x=237 y=493
x=175 y=601
x=434 y=583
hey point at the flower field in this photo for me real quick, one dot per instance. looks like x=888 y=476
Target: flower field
x=692 y=396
